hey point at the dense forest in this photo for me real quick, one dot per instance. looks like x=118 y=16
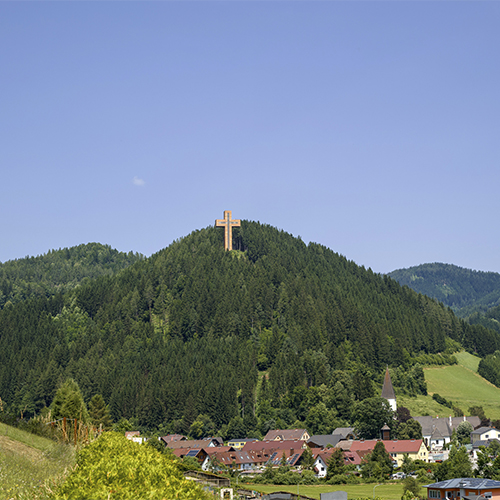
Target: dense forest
x=463 y=290
x=196 y=339
x=58 y=271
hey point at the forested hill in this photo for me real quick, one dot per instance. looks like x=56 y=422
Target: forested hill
x=184 y=333
x=59 y=270
x=464 y=290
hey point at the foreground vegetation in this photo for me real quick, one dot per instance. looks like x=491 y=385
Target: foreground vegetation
x=30 y=465
x=114 y=468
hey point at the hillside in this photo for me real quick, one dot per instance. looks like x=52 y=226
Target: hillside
x=58 y=271
x=460 y=384
x=464 y=290
x=179 y=338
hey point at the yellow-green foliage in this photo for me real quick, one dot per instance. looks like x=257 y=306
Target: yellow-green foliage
x=115 y=468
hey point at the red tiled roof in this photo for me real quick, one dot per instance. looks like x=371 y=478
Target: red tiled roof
x=218 y=449
x=350 y=457
x=173 y=437
x=274 y=445
x=399 y=446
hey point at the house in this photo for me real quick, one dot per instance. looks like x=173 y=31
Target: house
x=397 y=449
x=323 y=457
x=464 y=488
x=253 y=459
x=135 y=436
x=199 y=453
x=237 y=444
x=483 y=434
x=193 y=443
x=476 y=445
x=172 y=437
x=323 y=440
x=344 y=433
x=274 y=445
x=287 y=435
x=437 y=431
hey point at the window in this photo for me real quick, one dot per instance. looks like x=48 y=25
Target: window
x=434 y=494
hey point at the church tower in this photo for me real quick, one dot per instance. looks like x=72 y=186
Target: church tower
x=388 y=390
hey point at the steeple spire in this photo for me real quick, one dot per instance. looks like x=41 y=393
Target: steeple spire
x=388 y=390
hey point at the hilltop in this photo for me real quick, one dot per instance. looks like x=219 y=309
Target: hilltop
x=275 y=332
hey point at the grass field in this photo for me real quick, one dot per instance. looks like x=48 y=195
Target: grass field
x=27 y=461
x=468 y=360
x=387 y=491
x=465 y=388
x=457 y=383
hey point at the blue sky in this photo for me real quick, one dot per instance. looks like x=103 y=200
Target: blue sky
x=370 y=127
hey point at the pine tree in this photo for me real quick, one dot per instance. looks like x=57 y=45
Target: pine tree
x=99 y=413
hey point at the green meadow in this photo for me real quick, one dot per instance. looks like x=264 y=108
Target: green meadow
x=29 y=464
x=386 y=491
x=457 y=383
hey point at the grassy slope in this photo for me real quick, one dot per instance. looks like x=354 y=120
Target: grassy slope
x=27 y=461
x=458 y=383
x=387 y=491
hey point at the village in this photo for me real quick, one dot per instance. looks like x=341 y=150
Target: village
x=249 y=458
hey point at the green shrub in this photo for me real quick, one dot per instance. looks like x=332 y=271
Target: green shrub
x=115 y=468
x=338 y=479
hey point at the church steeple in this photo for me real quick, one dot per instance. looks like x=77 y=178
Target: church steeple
x=388 y=390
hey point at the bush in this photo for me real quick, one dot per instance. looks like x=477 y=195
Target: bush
x=115 y=468
x=353 y=479
x=338 y=479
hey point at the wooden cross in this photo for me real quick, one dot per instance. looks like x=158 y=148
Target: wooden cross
x=227 y=223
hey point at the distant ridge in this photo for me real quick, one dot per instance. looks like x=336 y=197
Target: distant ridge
x=59 y=271
x=464 y=290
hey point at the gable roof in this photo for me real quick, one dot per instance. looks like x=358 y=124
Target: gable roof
x=344 y=432
x=399 y=446
x=323 y=440
x=173 y=437
x=285 y=434
x=257 y=457
x=465 y=482
x=211 y=450
x=198 y=453
x=198 y=443
x=274 y=445
x=456 y=421
x=481 y=430
x=444 y=425
x=350 y=457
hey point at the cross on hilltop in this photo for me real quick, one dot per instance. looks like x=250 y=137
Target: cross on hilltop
x=228 y=223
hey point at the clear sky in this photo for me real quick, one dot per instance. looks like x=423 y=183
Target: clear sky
x=372 y=128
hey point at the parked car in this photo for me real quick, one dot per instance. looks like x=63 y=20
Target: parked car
x=398 y=475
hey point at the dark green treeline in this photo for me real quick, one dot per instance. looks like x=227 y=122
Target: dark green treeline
x=185 y=332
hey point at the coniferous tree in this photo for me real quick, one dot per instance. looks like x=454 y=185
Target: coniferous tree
x=99 y=413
